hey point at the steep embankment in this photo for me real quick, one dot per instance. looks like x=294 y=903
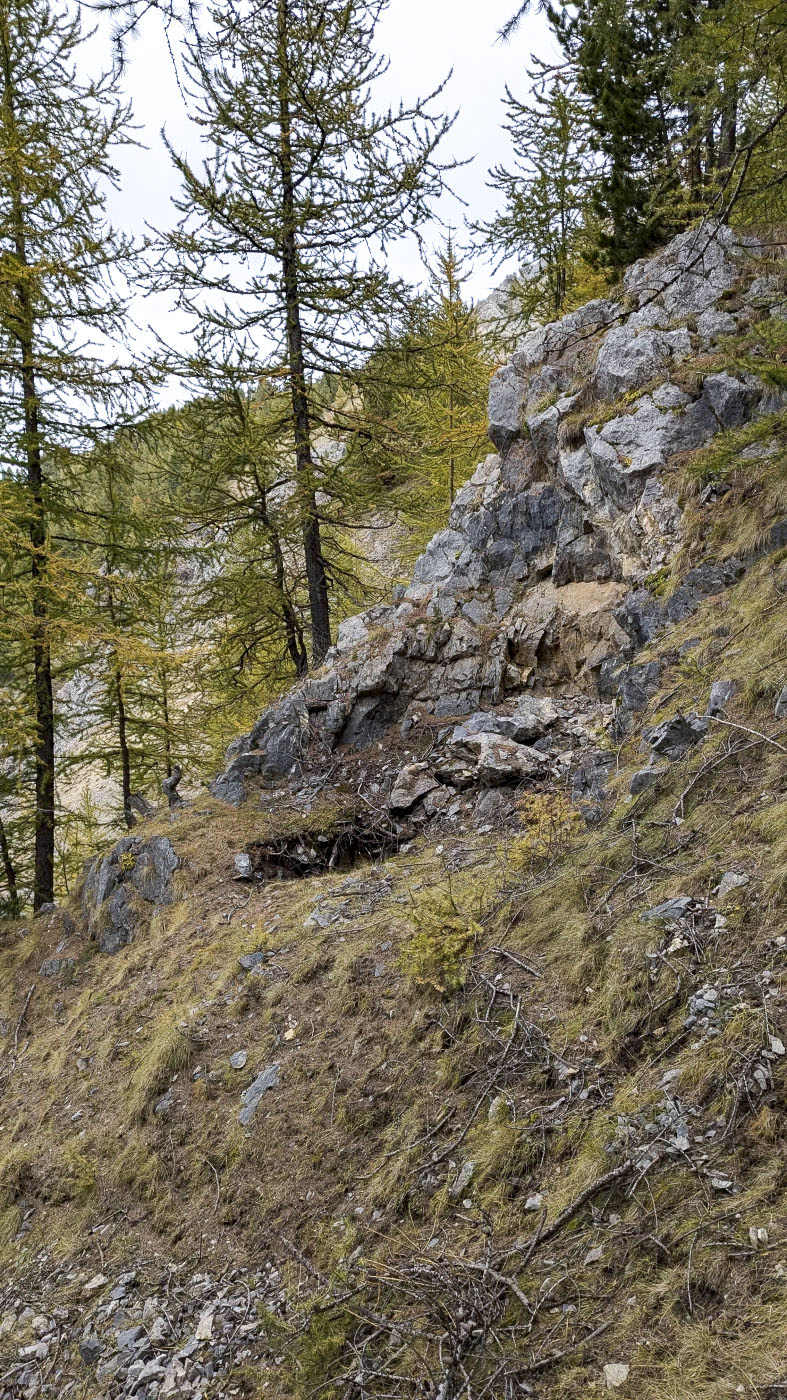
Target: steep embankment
x=485 y=1094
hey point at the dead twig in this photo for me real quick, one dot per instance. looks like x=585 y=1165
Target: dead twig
x=14 y=1056
x=526 y=966
x=744 y=729
x=396 y=1152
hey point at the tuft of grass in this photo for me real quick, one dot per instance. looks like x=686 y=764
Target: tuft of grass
x=169 y=1053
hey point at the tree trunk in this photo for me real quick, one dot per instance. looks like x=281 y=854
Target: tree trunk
x=44 y=876
x=316 y=573
x=125 y=759
x=292 y=627
x=117 y=685
x=694 y=153
x=728 y=134
x=165 y=716
x=451 y=459
x=10 y=874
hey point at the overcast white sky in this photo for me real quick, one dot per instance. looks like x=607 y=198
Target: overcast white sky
x=423 y=39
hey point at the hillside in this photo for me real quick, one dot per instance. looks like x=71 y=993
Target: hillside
x=440 y=1051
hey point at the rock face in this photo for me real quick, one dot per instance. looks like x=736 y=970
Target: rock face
x=538 y=580
x=120 y=888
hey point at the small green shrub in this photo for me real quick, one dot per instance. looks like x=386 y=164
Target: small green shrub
x=445 y=936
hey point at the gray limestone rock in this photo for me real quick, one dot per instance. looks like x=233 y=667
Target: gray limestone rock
x=527 y=721
x=731 y=399
x=281 y=734
x=119 y=885
x=731 y=880
x=721 y=693
x=644 y=779
x=622 y=482
x=690 y=274
x=252 y=1097
x=638 y=684
x=253 y=962
x=543 y=429
x=56 y=967
x=151 y=875
x=230 y=786
x=674 y=737
x=629 y=358
x=780 y=708
x=672 y=909
x=90 y=1347
x=540 y=537
x=712 y=324
x=319 y=692
x=494 y=806
x=118 y=918
x=128 y=1337
x=499 y=760
x=581 y=553
x=589 y=784
x=412 y=783
x=702 y=582
x=641 y=615
x=506 y=396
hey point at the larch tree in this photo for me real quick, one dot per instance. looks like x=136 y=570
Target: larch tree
x=238 y=488
x=60 y=302
x=285 y=225
x=438 y=397
x=545 y=191
x=453 y=386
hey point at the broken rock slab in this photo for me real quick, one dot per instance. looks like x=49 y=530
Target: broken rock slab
x=252 y=1097
x=413 y=782
x=672 y=909
x=499 y=760
x=119 y=885
x=56 y=967
x=674 y=737
x=721 y=693
x=730 y=880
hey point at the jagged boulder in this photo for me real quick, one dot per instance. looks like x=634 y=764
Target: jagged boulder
x=120 y=888
x=674 y=737
x=497 y=760
x=412 y=784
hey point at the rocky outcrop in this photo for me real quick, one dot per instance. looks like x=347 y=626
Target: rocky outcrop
x=120 y=889
x=538 y=581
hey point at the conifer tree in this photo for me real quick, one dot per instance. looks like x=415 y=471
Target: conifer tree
x=622 y=55
x=546 y=193
x=452 y=379
x=59 y=291
x=305 y=189
x=425 y=391
x=137 y=641
x=238 y=485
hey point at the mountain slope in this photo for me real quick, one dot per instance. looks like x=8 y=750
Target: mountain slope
x=484 y=1095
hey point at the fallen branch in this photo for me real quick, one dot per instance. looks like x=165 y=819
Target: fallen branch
x=744 y=729
x=504 y=1279
x=14 y=1056
x=528 y=967
x=565 y=1216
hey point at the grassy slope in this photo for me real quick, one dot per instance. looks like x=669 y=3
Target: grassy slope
x=545 y=1082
